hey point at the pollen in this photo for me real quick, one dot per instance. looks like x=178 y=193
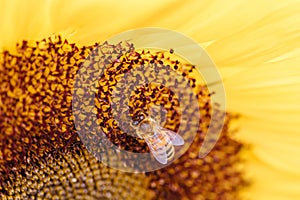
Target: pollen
x=36 y=86
x=136 y=67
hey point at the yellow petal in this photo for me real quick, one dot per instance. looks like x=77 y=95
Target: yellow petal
x=23 y=20
x=269 y=183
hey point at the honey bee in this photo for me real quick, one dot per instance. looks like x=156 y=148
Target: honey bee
x=161 y=141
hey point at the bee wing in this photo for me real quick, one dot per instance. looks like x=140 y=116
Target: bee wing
x=158 y=150
x=158 y=113
x=176 y=139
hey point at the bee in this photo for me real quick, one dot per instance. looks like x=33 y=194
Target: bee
x=161 y=141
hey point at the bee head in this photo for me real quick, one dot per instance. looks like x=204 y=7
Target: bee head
x=137 y=120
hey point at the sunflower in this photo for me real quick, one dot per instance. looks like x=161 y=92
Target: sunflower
x=255 y=45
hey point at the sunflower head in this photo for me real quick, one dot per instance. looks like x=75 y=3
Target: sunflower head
x=40 y=84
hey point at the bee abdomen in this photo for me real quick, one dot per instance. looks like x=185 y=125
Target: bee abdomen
x=170 y=151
